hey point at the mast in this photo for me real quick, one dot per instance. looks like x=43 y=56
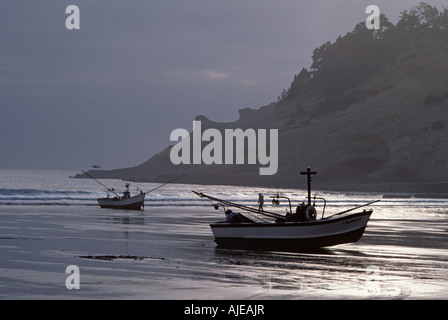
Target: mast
x=308 y=174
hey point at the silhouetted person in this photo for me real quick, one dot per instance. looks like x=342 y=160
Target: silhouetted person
x=301 y=212
x=127 y=193
x=260 y=202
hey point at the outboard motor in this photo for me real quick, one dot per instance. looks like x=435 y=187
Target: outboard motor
x=310 y=213
x=301 y=212
x=305 y=213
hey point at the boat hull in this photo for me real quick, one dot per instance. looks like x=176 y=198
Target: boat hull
x=132 y=203
x=291 y=235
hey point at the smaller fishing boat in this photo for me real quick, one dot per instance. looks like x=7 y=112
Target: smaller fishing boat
x=294 y=231
x=126 y=201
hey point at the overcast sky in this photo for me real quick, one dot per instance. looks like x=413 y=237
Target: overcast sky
x=111 y=92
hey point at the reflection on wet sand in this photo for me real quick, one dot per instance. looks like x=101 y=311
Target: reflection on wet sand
x=169 y=253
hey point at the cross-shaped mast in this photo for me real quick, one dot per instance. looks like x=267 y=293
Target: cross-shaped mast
x=308 y=172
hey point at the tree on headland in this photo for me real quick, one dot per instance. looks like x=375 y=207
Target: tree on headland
x=428 y=15
x=344 y=63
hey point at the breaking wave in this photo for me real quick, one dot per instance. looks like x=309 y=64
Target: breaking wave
x=178 y=196
x=29 y=192
x=28 y=196
x=46 y=188
x=42 y=197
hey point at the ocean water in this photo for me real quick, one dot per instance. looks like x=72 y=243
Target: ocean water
x=49 y=221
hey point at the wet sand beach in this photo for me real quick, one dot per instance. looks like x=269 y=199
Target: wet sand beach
x=167 y=252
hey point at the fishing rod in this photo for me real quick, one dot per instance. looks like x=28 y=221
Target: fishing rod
x=165 y=184
x=353 y=209
x=239 y=206
x=108 y=189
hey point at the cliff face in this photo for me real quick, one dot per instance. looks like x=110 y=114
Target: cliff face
x=395 y=131
x=388 y=132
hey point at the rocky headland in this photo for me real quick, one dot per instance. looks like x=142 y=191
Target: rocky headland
x=370 y=114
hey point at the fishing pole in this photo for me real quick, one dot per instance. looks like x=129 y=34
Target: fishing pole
x=108 y=189
x=164 y=184
x=239 y=206
x=353 y=209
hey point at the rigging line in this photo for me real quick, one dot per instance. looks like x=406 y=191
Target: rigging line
x=322 y=180
x=331 y=185
x=357 y=207
x=165 y=184
x=250 y=209
x=108 y=189
x=239 y=206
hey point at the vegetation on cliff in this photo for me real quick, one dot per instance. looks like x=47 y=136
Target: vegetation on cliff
x=369 y=115
x=349 y=60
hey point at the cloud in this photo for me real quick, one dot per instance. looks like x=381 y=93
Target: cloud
x=197 y=75
x=215 y=75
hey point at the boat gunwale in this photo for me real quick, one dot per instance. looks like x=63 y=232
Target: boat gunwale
x=290 y=244
x=224 y=224
x=121 y=198
x=132 y=203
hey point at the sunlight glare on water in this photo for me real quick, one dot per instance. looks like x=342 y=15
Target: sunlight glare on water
x=49 y=221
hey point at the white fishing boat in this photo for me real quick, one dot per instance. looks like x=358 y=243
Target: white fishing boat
x=293 y=231
x=292 y=235
x=126 y=201
x=136 y=202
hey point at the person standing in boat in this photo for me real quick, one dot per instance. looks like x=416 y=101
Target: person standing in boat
x=260 y=202
x=301 y=212
x=126 y=192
